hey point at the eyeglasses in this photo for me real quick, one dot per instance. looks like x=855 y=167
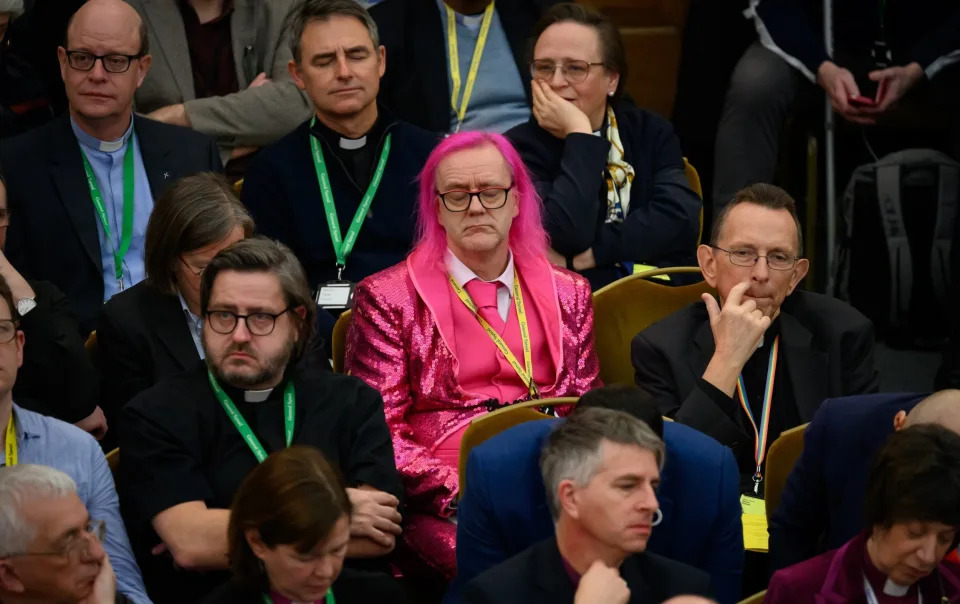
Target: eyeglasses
x=778 y=261
x=8 y=329
x=258 y=323
x=77 y=545
x=490 y=198
x=193 y=271
x=573 y=71
x=112 y=63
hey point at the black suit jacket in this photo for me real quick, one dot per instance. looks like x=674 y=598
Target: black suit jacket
x=57 y=377
x=821 y=506
x=142 y=336
x=415 y=85
x=538 y=575
x=53 y=232
x=826 y=344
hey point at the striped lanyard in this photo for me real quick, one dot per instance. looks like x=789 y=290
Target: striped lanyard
x=761 y=430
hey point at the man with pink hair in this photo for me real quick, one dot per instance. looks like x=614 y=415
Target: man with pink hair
x=474 y=319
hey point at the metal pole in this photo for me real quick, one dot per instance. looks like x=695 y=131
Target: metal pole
x=831 y=176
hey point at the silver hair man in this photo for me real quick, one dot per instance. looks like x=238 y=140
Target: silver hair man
x=18 y=486
x=574 y=450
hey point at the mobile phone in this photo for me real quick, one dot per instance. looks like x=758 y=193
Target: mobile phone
x=862 y=101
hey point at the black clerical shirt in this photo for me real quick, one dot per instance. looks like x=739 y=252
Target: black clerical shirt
x=178 y=445
x=783 y=411
x=359 y=160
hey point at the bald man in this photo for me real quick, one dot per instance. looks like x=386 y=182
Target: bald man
x=822 y=504
x=82 y=187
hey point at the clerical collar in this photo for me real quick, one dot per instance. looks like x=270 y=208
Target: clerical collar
x=96 y=144
x=339 y=142
x=351 y=144
x=256 y=396
x=876 y=578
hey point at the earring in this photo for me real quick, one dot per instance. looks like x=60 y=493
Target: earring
x=658 y=518
x=610 y=93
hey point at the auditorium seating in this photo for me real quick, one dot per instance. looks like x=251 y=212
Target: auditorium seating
x=487 y=426
x=626 y=307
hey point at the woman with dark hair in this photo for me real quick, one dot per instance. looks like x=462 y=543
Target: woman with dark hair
x=611 y=176
x=913 y=516
x=153 y=329
x=288 y=534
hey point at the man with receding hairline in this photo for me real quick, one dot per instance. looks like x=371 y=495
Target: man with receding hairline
x=761 y=359
x=87 y=180
x=822 y=502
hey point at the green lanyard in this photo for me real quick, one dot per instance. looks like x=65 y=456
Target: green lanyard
x=127 y=228
x=329 y=599
x=289 y=406
x=343 y=246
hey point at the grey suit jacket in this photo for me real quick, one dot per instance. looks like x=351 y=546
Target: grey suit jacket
x=253 y=116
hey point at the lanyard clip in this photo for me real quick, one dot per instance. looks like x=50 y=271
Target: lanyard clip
x=340 y=268
x=757 y=479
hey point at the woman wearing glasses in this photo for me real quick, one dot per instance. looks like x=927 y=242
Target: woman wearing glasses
x=153 y=329
x=611 y=176
x=288 y=534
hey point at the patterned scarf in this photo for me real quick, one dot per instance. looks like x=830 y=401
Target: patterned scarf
x=619 y=174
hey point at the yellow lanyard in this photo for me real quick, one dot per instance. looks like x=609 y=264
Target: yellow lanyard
x=526 y=371
x=11 y=448
x=474 y=62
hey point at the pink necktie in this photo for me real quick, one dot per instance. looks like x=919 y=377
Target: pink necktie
x=484 y=295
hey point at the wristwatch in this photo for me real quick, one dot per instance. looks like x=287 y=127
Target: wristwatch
x=25 y=305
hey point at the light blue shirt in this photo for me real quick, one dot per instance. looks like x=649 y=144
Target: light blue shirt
x=194 y=324
x=498 y=101
x=106 y=161
x=50 y=442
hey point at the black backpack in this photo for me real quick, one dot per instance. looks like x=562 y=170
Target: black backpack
x=893 y=257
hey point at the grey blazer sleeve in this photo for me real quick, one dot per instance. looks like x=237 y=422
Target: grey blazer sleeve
x=257 y=116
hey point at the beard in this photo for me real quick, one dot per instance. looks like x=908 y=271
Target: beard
x=271 y=368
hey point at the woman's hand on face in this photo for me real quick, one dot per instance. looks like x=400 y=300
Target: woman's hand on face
x=555 y=114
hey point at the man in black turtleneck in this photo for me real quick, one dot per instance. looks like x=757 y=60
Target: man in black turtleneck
x=765 y=355
x=338 y=61
x=188 y=442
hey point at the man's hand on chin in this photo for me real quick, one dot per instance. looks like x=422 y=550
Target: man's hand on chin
x=738 y=329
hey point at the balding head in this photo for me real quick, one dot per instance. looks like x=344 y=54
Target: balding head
x=107 y=17
x=689 y=600
x=101 y=95
x=939 y=408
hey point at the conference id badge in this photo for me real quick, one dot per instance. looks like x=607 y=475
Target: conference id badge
x=335 y=295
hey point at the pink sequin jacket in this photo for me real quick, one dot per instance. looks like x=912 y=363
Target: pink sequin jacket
x=396 y=345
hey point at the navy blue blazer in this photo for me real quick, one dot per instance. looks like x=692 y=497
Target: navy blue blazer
x=504 y=508
x=821 y=507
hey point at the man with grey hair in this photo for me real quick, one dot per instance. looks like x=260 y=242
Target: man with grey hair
x=360 y=220
x=601 y=469
x=189 y=441
x=50 y=547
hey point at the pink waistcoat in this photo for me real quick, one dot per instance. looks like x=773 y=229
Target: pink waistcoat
x=483 y=368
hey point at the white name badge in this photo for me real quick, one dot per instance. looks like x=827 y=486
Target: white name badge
x=335 y=295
